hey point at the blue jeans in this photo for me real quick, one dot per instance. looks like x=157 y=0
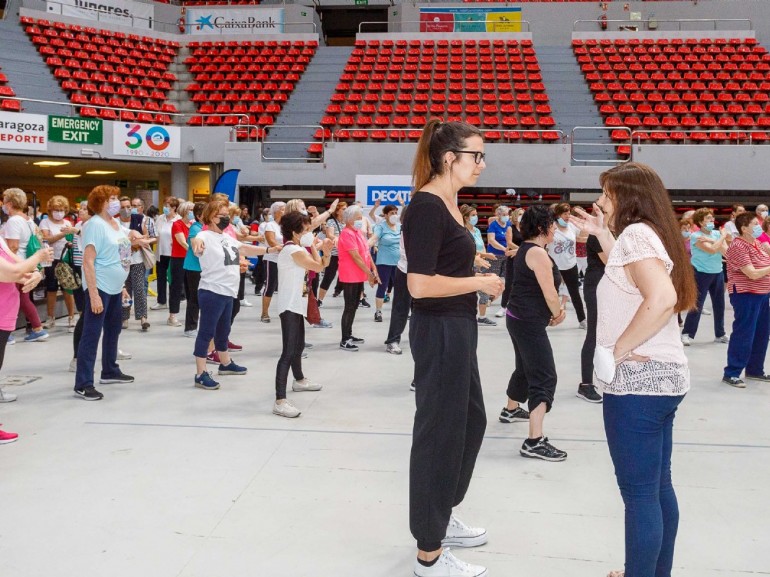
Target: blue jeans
x=110 y=319
x=215 y=322
x=751 y=328
x=386 y=272
x=639 y=436
x=714 y=285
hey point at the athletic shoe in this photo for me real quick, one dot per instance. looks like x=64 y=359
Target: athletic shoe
x=357 y=341
x=213 y=358
x=308 y=345
x=119 y=378
x=232 y=369
x=411 y=387
x=447 y=565
x=191 y=334
x=6 y=397
x=233 y=348
x=320 y=303
x=588 y=393
x=722 y=339
x=764 y=378
x=73 y=366
x=265 y=319
x=305 y=385
x=706 y=312
x=124 y=356
x=145 y=326
x=386 y=299
x=323 y=325
x=348 y=346
x=286 y=409
x=205 y=381
x=686 y=340
x=393 y=349
x=377 y=316
x=501 y=313
x=541 y=449
x=458 y=534
x=734 y=382
x=583 y=324
x=364 y=305
x=513 y=416
x=71 y=324
x=49 y=323
x=89 y=394
x=335 y=294
x=485 y=322
x=245 y=303
x=158 y=306
x=11 y=340
x=36 y=336
x=6 y=437
x=173 y=322
x=304 y=354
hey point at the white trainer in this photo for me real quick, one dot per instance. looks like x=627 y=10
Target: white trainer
x=6 y=397
x=447 y=565
x=158 y=306
x=458 y=534
x=123 y=355
x=286 y=409
x=706 y=312
x=686 y=340
x=305 y=385
x=245 y=303
x=501 y=313
x=74 y=366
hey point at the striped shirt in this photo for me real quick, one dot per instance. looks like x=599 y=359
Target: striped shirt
x=739 y=255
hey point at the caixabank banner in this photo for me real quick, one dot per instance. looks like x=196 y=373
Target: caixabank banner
x=23 y=131
x=146 y=140
x=234 y=21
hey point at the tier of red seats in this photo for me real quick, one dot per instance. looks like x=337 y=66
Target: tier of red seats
x=389 y=90
x=5 y=92
x=108 y=68
x=251 y=78
x=678 y=90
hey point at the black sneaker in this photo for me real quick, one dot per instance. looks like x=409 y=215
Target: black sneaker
x=588 y=393
x=364 y=305
x=516 y=415
x=119 y=378
x=377 y=316
x=734 y=382
x=485 y=322
x=541 y=449
x=320 y=303
x=308 y=346
x=764 y=378
x=89 y=394
x=335 y=294
x=357 y=341
x=348 y=346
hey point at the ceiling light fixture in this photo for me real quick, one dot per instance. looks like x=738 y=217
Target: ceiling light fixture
x=66 y=176
x=47 y=163
x=101 y=172
x=204 y=168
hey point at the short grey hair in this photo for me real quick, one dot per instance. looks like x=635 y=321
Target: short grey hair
x=185 y=207
x=352 y=213
x=275 y=207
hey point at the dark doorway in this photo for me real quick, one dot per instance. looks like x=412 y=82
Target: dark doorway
x=340 y=24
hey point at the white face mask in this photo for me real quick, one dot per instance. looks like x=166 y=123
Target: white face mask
x=306 y=239
x=113 y=207
x=58 y=214
x=393 y=219
x=303 y=212
x=358 y=225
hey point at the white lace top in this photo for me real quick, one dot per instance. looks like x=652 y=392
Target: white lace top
x=666 y=373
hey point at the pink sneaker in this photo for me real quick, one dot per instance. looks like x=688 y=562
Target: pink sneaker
x=7 y=437
x=233 y=348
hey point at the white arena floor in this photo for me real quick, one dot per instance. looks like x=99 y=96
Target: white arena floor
x=164 y=480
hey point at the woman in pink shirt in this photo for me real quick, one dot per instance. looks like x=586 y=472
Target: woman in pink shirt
x=355 y=267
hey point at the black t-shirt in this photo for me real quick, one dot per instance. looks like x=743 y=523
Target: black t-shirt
x=595 y=268
x=436 y=244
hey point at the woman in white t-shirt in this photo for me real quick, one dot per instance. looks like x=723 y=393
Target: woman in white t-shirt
x=55 y=229
x=163 y=226
x=562 y=251
x=273 y=238
x=219 y=256
x=294 y=262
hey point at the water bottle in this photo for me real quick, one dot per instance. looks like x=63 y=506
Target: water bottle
x=45 y=264
x=127 y=303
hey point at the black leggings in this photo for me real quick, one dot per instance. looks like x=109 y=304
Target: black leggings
x=352 y=292
x=192 y=279
x=399 y=312
x=330 y=273
x=3 y=342
x=570 y=277
x=237 y=300
x=161 y=273
x=177 y=284
x=80 y=303
x=293 y=336
x=271 y=278
x=508 y=282
x=589 y=344
x=534 y=379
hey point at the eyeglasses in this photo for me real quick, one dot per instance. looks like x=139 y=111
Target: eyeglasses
x=477 y=156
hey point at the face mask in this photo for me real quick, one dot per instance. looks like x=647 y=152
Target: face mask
x=5 y=210
x=393 y=219
x=166 y=210
x=686 y=233
x=270 y=218
x=561 y=222
x=763 y=214
x=134 y=211
x=474 y=220
x=113 y=208
x=303 y=212
x=358 y=225
x=756 y=231
x=520 y=217
x=709 y=226
x=306 y=239
x=190 y=216
x=57 y=214
x=505 y=218
x=125 y=212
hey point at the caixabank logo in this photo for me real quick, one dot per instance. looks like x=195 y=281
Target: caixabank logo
x=214 y=22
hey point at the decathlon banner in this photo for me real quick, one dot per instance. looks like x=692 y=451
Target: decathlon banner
x=235 y=20
x=146 y=140
x=481 y=19
x=23 y=131
x=125 y=12
x=387 y=188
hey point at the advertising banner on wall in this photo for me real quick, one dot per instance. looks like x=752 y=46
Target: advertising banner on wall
x=125 y=12
x=481 y=19
x=387 y=188
x=146 y=140
x=23 y=131
x=211 y=20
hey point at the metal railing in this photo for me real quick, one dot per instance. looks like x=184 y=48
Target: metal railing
x=495 y=22
x=743 y=137
x=657 y=21
x=576 y=143
x=265 y=141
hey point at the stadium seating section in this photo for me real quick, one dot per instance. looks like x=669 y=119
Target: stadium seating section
x=389 y=89
x=5 y=92
x=252 y=78
x=107 y=68
x=679 y=90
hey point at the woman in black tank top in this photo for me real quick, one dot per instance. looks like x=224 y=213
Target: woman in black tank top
x=533 y=306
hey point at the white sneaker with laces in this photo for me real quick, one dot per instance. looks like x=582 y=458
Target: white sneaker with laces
x=50 y=323
x=686 y=340
x=447 y=565
x=501 y=313
x=124 y=356
x=6 y=397
x=722 y=339
x=158 y=306
x=458 y=534
x=583 y=324
x=706 y=312
x=245 y=303
x=305 y=385
x=286 y=409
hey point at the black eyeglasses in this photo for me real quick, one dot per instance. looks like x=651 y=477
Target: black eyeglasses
x=477 y=156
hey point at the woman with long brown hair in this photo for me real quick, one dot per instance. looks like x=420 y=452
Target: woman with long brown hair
x=640 y=361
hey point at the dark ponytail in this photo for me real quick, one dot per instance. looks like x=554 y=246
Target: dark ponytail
x=438 y=138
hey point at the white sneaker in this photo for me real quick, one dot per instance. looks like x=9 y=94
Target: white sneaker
x=706 y=312
x=305 y=385
x=583 y=324
x=173 y=322
x=286 y=409
x=458 y=534
x=6 y=397
x=501 y=313
x=158 y=306
x=123 y=356
x=191 y=334
x=50 y=323
x=686 y=340
x=245 y=303
x=447 y=565
x=722 y=339
x=71 y=322
x=74 y=366
x=393 y=349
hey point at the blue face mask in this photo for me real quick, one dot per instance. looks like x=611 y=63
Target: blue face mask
x=358 y=225
x=686 y=233
x=505 y=218
x=166 y=210
x=190 y=216
x=474 y=220
x=709 y=226
x=561 y=222
x=134 y=211
x=756 y=231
